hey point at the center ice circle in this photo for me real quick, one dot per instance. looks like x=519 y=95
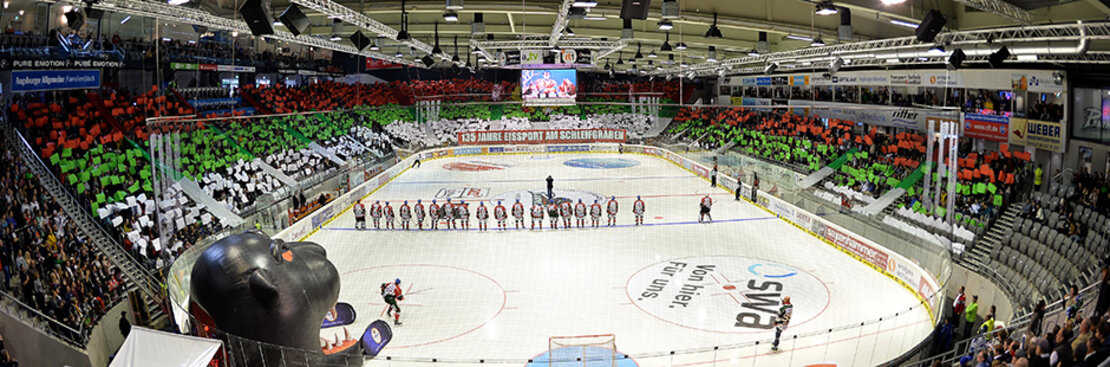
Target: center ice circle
x=602 y=163
x=726 y=294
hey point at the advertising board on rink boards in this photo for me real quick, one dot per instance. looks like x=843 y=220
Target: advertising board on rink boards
x=542 y=136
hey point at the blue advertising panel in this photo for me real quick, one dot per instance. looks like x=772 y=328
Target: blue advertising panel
x=40 y=80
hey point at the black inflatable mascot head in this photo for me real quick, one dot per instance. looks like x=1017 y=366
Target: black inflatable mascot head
x=266 y=290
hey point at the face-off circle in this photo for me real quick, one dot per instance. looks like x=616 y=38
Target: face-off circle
x=726 y=294
x=602 y=163
x=432 y=294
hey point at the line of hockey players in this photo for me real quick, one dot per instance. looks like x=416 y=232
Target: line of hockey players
x=457 y=215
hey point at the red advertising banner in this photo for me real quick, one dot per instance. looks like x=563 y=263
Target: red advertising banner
x=868 y=253
x=372 y=64
x=542 y=136
x=995 y=128
x=206 y=67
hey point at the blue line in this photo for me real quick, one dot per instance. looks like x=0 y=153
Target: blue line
x=528 y=222
x=541 y=180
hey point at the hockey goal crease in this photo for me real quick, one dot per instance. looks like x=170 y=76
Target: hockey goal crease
x=582 y=350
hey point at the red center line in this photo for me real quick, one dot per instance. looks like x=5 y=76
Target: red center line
x=714 y=278
x=734 y=298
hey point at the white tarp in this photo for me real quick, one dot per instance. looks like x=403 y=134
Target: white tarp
x=151 y=348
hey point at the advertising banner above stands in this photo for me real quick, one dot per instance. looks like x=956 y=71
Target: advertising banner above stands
x=210 y=67
x=373 y=64
x=995 y=128
x=906 y=118
x=60 y=64
x=1091 y=115
x=42 y=80
x=542 y=136
x=1044 y=81
x=1042 y=135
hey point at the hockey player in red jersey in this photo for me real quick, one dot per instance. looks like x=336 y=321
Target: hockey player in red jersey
x=553 y=213
x=376 y=214
x=391 y=293
x=462 y=212
x=448 y=210
x=705 y=204
x=612 y=209
x=418 y=211
x=387 y=214
x=580 y=213
x=566 y=212
x=360 y=215
x=499 y=214
x=537 y=215
x=433 y=214
x=518 y=214
x=483 y=217
x=406 y=214
x=595 y=214
x=638 y=209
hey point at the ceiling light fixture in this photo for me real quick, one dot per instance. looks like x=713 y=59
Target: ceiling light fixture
x=652 y=54
x=451 y=16
x=753 y=53
x=374 y=45
x=584 y=3
x=569 y=31
x=713 y=31
x=711 y=56
x=639 y=55
x=817 y=42
x=799 y=38
x=455 y=4
x=626 y=30
x=665 y=25
x=826 y=8
x=335 y=37
x=666 y=44
x=899 y=22
x=681 y=46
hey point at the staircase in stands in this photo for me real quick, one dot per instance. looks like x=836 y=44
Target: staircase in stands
x=990 y=242
x=136 y=276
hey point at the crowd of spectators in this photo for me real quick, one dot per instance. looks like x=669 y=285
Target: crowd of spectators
x=47 y=263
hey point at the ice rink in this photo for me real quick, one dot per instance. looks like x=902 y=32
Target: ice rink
x=672 y=284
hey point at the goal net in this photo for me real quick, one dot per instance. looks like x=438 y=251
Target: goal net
x=582 y=351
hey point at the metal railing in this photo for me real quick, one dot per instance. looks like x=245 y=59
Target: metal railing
x=50 y=326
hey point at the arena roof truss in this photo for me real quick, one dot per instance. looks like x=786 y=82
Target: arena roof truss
x=1058 y=43
x=164 y=11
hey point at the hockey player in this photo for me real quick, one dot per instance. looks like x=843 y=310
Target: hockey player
x=448 y=214
x=376 y=213
x=387 y=214
x=433 y=214
x=566 y=212
x=391 y=293
x=418 y=211
x=612 y=209
x=595 y=213
x=499 y=214
x=553 y=213
x=406 y=214
x=638 y=209
x=580 y=213
x=518 y=214
x=785 y=311
x=706 y=204
x=537 y=215
x=462 y=212
x=483 y=217
x=360 y=215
